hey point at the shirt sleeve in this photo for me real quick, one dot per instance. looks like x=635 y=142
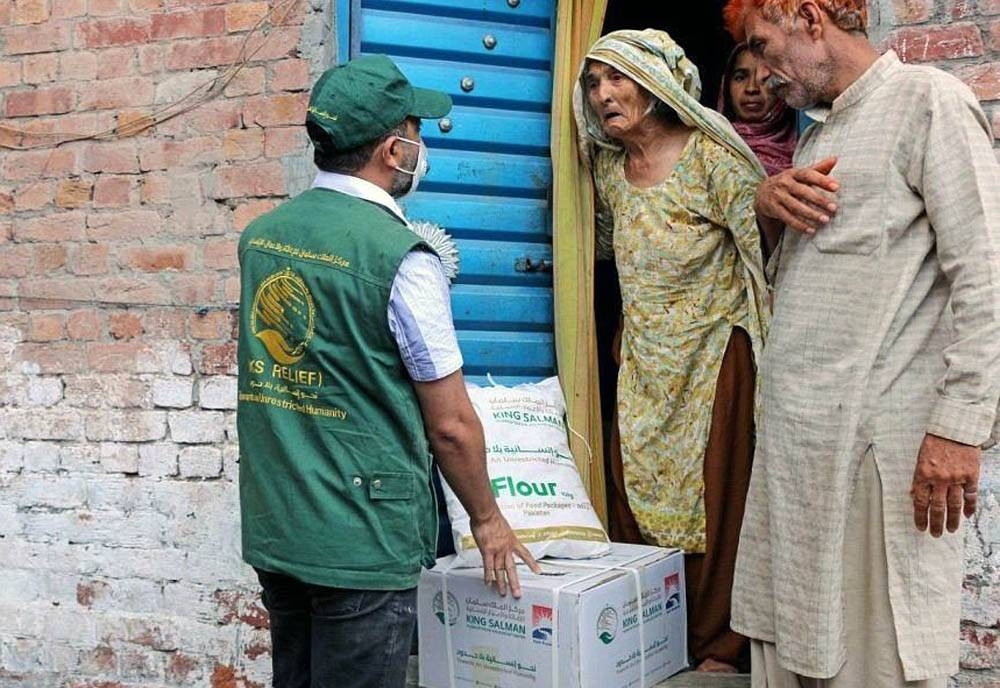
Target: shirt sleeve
x=420 y=318
x=960 y=184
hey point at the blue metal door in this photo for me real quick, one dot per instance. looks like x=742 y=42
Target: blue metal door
x=491 y=174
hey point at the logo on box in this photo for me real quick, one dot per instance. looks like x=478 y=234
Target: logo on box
x=438 y=606
x=672 y=592
x=607 y=625
x=541 y=624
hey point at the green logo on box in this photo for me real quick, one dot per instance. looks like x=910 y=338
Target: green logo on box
x=438 y=606
x=607 y=625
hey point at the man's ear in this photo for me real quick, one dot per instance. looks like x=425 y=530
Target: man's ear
x=386 y=152
x=814 y=18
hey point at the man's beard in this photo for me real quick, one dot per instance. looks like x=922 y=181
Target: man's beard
x=400 y=184
x=804 y=93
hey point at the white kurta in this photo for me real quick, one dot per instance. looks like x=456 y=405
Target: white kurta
x=864 y=354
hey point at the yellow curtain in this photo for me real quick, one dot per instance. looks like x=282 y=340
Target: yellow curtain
x=578 y=25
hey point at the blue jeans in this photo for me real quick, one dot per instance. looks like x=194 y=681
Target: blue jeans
x=335 y=638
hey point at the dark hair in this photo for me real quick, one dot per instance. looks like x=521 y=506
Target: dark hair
x=351 y=160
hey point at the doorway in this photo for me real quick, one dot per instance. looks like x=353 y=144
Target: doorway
x=697 y=27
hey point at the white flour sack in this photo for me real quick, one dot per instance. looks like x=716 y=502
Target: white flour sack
x=533 y=476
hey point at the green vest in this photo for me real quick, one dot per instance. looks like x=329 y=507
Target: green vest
x=335 y=482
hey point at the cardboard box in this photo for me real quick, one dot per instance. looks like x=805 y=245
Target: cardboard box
x=575 y=626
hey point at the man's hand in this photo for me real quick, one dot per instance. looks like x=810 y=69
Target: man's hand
x=945 y=480
x=498 y=545
x=799 y=198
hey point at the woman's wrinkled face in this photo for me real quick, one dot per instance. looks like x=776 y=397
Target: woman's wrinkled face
x=620 y=103
x=751 y=99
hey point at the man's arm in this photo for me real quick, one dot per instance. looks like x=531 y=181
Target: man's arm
x=959 y=179
x=456 y=438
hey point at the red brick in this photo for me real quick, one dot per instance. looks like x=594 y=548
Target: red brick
x=208 y=119
x=151 y=58
x=243 y=144
x=249 y=82
x=40 y=101
x=937 y=42
x=78 y=66
x=57 y=289
x=983 y=79
x=10 y=74
x=147 y=259
x=281 y=43
x=137 y=290
x=105 y=33
x=133 y=224
x=115 y=63
x=290 y=75
x=52 y=358
x=261 y=179
x=5 y=12
x=155 y=188
x=41 y=68
x=994 y=35
x=989 y=7
x=49 y=258
x=15 y=261
x=218 y=359
x=273 y=111
x=59 y=127
x=45 y=327
x=118 y=93
x=243 y=16
x=245 y=213
x=111 y=157
x=105 y=8
x=134 y=123
x=21 y=40
x=85 y=324
x=959 y=9
x=201 y=150
x=67 y=9
x=6 y=201
x=205 y=52
x=220 y=254
x=284 y=141
x=212 y=325
x=73 y=193
x=194 y=290
x=29 y=11
x=112 y=192
x=231 y=287
x=40 y=163
x=912 y=11
x=89 y=259
x=52 y=227
x=163 y=323
x=124 y=325
x=145 y=5
x=180 y=666
x=210 y=22
x=34 y=196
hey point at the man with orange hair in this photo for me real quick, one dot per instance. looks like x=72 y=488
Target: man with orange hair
x=879 y=382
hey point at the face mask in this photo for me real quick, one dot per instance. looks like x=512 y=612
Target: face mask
x=420 y=169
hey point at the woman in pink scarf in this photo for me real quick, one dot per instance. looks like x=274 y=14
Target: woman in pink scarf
x=765 y=122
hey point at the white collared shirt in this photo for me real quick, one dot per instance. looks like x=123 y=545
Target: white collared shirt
x=419 y=303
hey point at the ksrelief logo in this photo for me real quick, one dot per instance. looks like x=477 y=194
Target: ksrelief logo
x=607 y=625
x=283 y=316
x=541 y=624
x=438 y=606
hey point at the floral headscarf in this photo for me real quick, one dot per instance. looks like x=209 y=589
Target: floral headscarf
x=652 y=59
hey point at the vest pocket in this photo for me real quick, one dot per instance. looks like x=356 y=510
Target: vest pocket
x=389 y=485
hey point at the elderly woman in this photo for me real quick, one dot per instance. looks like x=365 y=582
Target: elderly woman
x=760 y=117
x=675 y=188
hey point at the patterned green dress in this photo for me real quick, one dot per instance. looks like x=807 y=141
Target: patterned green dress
x=680 y=247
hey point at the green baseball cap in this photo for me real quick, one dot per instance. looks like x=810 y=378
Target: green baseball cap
x=361 y=100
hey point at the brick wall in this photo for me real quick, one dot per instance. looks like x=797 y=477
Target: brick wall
x=119 y=541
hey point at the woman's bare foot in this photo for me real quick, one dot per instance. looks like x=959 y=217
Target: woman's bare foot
x=714 y=666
